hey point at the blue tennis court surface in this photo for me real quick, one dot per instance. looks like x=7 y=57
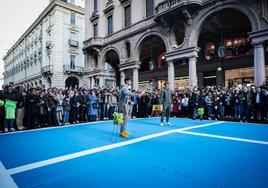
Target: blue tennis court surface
x=191 y=153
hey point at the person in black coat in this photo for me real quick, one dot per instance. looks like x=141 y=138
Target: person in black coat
x=257 y=100
x=197 y=102
x=31 y=109
x=74 y=102
x=83 y=100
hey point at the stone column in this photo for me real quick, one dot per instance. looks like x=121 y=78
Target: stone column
x=122 y=77
x=101 y=78
x=92 y=82
x=259 y=64
x=136 y=79
x=192 y=72
x=171 y=75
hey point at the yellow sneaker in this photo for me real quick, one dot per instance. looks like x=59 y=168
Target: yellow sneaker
x=123 y=135
x=127 y=133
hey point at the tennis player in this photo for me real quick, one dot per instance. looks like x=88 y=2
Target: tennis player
x=123 y=99
x=166 y=101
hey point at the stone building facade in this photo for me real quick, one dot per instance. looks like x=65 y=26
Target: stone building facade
x=49 y=53
x=186 y=42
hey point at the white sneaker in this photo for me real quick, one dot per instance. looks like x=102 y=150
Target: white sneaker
x=161 y=124
x=12 y=129
x=6 y=130
x=169 y=124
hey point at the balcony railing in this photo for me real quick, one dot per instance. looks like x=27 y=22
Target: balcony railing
x=170 y=4
x=93 y=42
x=47 y=69
x=75 y=69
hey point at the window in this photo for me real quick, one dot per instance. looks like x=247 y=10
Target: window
x=73 y=18
x=127 y=16
x=95 y=4
x=210 y=51
x=95 y=30
x=72 y=63
x=128 y=50
x=110 y=25
x=71 y=1
x=49 y=21
x=149 y=8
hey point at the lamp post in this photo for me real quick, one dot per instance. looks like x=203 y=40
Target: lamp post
x=221 y=53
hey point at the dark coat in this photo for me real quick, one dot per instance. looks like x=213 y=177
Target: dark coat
x=31 y=104
x=261 y=98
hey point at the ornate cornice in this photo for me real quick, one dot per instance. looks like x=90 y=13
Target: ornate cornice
x=95 y=15
x=125 y=2
x=182 y=54
x=130 y=65
x=109 y=10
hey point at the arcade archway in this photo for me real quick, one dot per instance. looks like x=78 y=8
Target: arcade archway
x=72 y=82
x=153 y=68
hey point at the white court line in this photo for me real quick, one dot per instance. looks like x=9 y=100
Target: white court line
x=65 y=126
x=96 y=150
x=6 y=180
x=48 y=128
x=224 y=137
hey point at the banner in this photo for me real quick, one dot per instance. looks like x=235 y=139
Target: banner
x=157 y=109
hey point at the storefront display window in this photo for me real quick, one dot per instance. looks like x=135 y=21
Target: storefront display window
x=210 y=51
x=235 y=47
x=238 y=47
x=181 y=82
x=241 y=76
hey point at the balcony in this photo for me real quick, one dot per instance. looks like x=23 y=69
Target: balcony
x=47 y=70
x=171 y=7
x=75 y=69
x=94 y=42
x=73 y=43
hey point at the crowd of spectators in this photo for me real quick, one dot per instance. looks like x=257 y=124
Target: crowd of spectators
x=40 y=107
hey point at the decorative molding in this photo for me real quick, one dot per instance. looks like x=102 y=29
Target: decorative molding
x=125 y=2
x=182 y=54
x=95 y=15
x=109 y=2
x=129 y=65
x=188 y=16
x=259 y=37
x=109 y=10
x=73 y=29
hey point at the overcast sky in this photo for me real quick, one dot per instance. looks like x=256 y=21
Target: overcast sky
x=16 y=16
